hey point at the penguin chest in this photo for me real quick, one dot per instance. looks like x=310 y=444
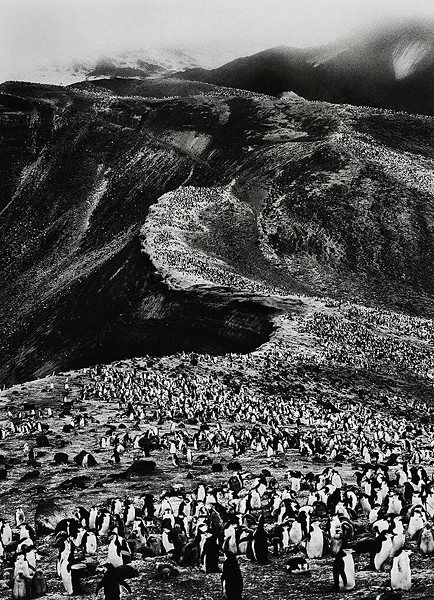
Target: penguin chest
x=114 y=555
x=91 y=544
x=349 y=574
x=19 y=591
x=66 y=575
x=315 y=545
x=400 y=575
x=295 y=533
x=383 y=554
x=427 y=544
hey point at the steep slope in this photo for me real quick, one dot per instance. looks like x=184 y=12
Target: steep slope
x=323 y=200
x=392 y=67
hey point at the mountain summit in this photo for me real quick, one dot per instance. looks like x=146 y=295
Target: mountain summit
x=389 y=67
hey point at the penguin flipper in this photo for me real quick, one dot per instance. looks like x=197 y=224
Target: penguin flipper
x=125 y=585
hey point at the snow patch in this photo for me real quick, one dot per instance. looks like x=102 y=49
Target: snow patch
x=408 y=55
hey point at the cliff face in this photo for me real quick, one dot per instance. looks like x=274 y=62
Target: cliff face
x=326 y=199
x=80 y=174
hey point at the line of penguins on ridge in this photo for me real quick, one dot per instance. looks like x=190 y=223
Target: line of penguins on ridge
x=247 y=515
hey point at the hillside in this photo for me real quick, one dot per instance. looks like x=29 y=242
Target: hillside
x=331 y=200
x=237 y=288
x=390 y=67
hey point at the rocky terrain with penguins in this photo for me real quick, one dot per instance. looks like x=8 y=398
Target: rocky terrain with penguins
x=217 y=345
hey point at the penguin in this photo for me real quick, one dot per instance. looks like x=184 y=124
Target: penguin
x=416 y=523
x=315 y=543
x=140 y=531
x=426 y=541
x=258 y=546
x=22 y=564
x=129 y=514
x=297 y=565
x=39 y=584
x=118 y=551
x=167 y=540
x=93 y=513
x=295 y=533
x=398 y=539
x=102 y=524
x=5 y=533
x=19 y=517
x=232 y=580
x=166 y=570
x=111 y=584
x=381 y=550
x=343 y=571
x=210 y=555
x=21 y=587
x=230 y=542
x=190 y=555
x=400 y=574
x=82 y=516
x=89 y=543
x=26 y=531
x=68 y=570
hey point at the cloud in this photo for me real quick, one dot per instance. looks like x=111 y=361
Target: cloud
x=35 y=32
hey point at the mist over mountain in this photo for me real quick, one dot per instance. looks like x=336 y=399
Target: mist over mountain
x=138 y=63
x=389 y=66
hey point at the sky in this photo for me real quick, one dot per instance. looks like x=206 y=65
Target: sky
x=35 y=33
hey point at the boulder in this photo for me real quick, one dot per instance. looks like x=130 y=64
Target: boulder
x=30 y=475
x=47 y=514
x=141 y=467
x=41 y=441
x=61 y=458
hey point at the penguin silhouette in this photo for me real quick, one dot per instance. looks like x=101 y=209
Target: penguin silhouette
x=210 y=555
x=232 y=580
x=111 y=584
x=257 y=549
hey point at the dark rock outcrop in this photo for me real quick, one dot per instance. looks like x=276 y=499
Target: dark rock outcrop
x=48 y=513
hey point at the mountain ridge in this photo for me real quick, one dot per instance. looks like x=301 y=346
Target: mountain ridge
x=391 y=67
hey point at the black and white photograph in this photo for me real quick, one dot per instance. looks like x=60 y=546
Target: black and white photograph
x=217 y=299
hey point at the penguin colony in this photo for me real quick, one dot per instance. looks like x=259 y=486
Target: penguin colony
x=380 y=518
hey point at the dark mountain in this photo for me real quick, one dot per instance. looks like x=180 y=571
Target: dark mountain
x=391 y=67
x=325 y=199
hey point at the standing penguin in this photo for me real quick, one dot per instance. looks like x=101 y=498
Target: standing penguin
x=119 y=553
x=258 y=546
x=210 y=555
x=400 y=574
x=232 y=580
x=343 y=571
x=89 y=543
x=315 y=544
x=39 y=584
x=21 y=588
x=381 y=550
x=111 y=583
x=426 y=541
x=67 y=568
